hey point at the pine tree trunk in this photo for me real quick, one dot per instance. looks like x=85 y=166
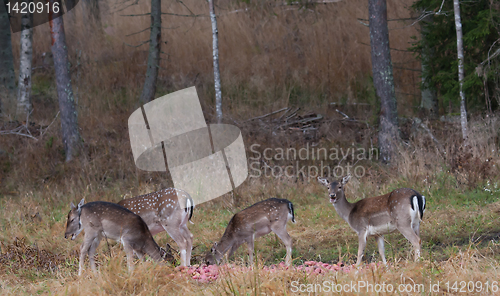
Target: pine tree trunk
x=69 y=116
x=460 y=53
x=149 y=90
x=215 y=47
x=25 y=58
x=7 y=79
x=383 y=79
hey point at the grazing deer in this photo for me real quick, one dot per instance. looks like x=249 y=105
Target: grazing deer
x=112 y=221
x=253 y=222
x=401 y=209
x=166 y=210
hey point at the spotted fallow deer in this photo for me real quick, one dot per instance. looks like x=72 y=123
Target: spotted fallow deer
x=166 y=210
x=253 y=222
x=401 y=209
x=104 y=219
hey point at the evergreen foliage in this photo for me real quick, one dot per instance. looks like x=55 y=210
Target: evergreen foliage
x=481 y=36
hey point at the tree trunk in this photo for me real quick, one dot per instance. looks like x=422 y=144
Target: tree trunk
x=429 y=101
x=25 y=58
x=149 y=90
x=69 y=116
x=215 y=47
x=383 y=79
x=7 y=79
x=460 y=53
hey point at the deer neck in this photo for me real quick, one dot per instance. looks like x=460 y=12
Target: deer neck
x=343 y=207
x=153 y=250
x=225 y=243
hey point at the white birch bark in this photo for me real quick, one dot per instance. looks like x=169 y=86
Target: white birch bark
x=460 y=53
x=215 y=47
x=25 y=59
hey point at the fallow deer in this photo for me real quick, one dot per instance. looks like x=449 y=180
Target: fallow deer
x=112 y=221
x=166 y=210
x=401 y=209
x=253 y=222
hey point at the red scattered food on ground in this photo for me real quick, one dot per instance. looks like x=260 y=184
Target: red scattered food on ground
x=206 y=274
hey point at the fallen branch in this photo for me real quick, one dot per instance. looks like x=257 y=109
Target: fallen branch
x=268 y=114
x=23 y=130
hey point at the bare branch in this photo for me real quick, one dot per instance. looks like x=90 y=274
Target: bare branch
x=138 y=32
x=147 y=41
x=185 y=15
x=43 y=132
x=142 y=14
x=268 y=114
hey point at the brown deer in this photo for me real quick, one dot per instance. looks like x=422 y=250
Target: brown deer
x=166 y=210
x=104 y=219
x=401 y=209
x=253 y=222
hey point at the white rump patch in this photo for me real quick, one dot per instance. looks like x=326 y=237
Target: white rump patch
x=423 y=202
x=414 y=212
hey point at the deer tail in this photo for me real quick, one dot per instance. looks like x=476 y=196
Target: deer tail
x=418 y=201
x=189 y=208
x=291 y=211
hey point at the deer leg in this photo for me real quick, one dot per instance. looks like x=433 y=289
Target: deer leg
x=361 y=246
x=176 y=234
x=414 y=239
x=83 y=252
x=234 y=247
x=286 y=239
x=93 y=246
x=416 y=228
x=188 y=236
x=250 y=246
x=130 y=255
x=381 y=249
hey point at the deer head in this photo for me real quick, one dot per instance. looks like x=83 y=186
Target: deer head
x=74 y=225
x=214 y=256
x=335 y=188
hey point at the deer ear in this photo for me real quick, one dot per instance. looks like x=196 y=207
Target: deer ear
x=323 y=181
x=346 y=179
x=72 y=206
x=81 y=203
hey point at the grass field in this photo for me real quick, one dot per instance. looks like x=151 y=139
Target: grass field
x=460 y=236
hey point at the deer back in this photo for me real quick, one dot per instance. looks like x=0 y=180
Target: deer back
x=161 y=205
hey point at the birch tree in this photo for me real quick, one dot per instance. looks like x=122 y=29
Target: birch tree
x=215 y=47
x=7 y=76
x=25 y=58
x=383 y=79
x=460 y=55
x=149 y=89
x=69 y=117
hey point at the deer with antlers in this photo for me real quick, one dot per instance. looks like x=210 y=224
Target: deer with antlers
x=166 y=210
x=401 y=209
x=253 y=222
x=104 y=219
